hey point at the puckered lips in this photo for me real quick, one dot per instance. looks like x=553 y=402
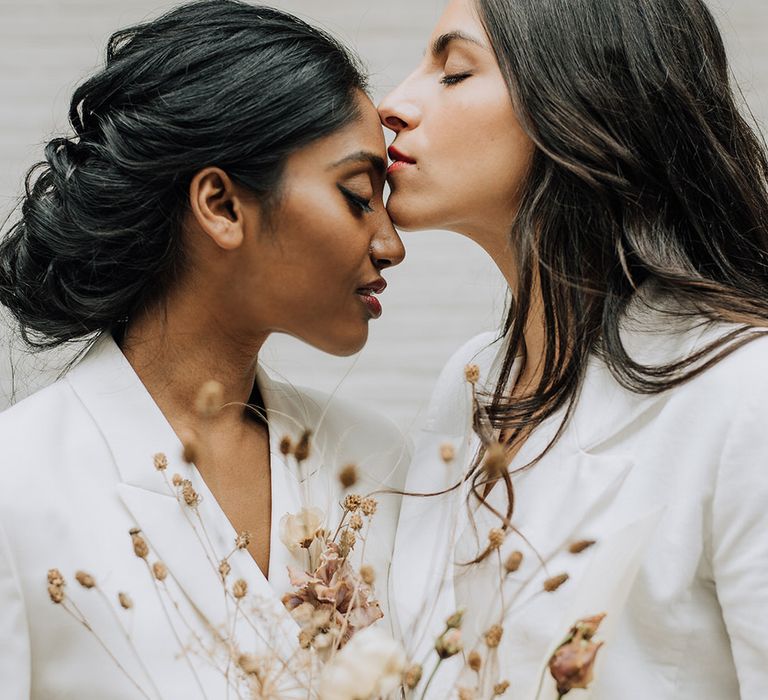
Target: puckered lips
x=399 y=160
x=367 y=292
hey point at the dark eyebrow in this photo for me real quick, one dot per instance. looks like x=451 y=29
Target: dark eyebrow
x=378 y=163
x=440 y=44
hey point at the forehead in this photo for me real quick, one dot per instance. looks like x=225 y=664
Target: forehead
x=459 y=15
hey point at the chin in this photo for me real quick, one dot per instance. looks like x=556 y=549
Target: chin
x=346 y=345
x=408 y=216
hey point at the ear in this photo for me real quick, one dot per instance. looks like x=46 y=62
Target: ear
x=218 y=207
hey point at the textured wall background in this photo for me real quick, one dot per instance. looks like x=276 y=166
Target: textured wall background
x=446 y=290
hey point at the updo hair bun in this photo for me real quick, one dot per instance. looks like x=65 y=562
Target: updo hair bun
x=217 y=82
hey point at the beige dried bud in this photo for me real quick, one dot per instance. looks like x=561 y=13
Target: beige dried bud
x=356 y=521
x=160 y=571
x=286 y=445
x=224 y=568
x=176 y=480
x=352 y=502
x=240 y=589
x=472 y=374
x=513 y=561
x=368 y=574
x=572 y=665
x=496 y=538
x=455 y=620
x=161 y=462
x=190 y=451
x=125 y=601
x=449 y=643
x=250 y=664
x=368 y=506
x=347 y=541
x=447 y=453
x=305 y=638
x=191 y=497
x=500 y=688
x=496 y=460
x=243 y=540
x=466 y=694
x=493 y=636
x=56 y=593
x=348 y=476
x=475 y=661
x=209 y=399
x=85 y=579
x=412 y=676
x=552 y=584
x=580 y=546
x=140 y=547
x=301 y=452
x=55 y=578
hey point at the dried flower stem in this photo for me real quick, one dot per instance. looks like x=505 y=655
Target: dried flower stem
x=431 y=678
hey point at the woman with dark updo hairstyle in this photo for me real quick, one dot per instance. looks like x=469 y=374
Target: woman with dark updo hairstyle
x=223 y=182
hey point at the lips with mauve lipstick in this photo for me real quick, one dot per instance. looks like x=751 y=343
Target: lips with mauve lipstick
x=366 y=294
x=399 y=160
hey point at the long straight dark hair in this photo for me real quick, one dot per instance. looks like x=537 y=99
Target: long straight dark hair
x=644 y=171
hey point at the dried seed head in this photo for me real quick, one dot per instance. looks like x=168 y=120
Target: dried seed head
x=56 y=593
x=140 y=547
x=455 y=620
x=249 y=664
x=572 y=664
x=367 y=574
x=475 y=661
x=55 y=578
x=347 y=542
x=449 y=643
x=447 y=453
x=368 y=506
x=552 y=584
x=243 y=540
x=472 y=374
x=412 y=676
x=580 y=546
x=191 y=497
x=85 y=579
x=161 y=462
x=356 y=521
x=496 y=461
x=493 y=636
x=513 y=562
x=176 y=480
x=190 y=451
x=286 y=445
x=348 y=476
x=209 y=399
x=240 y=589
x=466 y=694
x=496 y=538
x=160 y=571
x=303 y=446
x=500 y=688
x=125 y=600
x=352 y=502
x=224 y=568
x=305 y=639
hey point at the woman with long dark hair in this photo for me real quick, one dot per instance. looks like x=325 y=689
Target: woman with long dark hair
x=610 y=447
x=224 y=182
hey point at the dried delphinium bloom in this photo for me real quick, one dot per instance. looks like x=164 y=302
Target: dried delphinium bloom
x=493 y=636
x=161 y=462
x=368 y=574
x=209 y=399
x=159 y=571
x=301 y=451
x=352 y=502
x=449 y=643
x=85 y=579
x=240 y=589
x=347 y=542
x=356 y=522
x=472 y=374
x=580 y=546
x=368 y=506
x=286 y=445
x=475 y=661
x=553 y=583
x=298 y=531
x=447 y=453
x=188 y=493
x=125 y=600
x=348 y=476
x=513 y=561
x=176 y=480
x=243 y=540
x=495 y=538
x=572 y=665
x=140 y=547
x=500 y=688
x=412 y=676
x=56 y=585
x=224 y=569
x=466 y=694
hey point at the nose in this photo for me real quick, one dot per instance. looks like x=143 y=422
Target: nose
x=387 y=249
x=399 y=110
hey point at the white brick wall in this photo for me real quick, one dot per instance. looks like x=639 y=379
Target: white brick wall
x=445 y=292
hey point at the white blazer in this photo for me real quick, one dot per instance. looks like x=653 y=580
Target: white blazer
x=77 y=474
x=674 y=489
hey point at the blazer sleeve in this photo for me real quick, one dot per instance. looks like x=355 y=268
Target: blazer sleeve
x=14 y=635
x=739 y=541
